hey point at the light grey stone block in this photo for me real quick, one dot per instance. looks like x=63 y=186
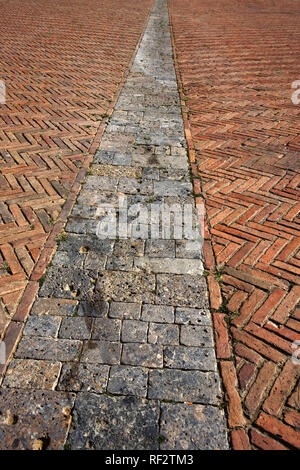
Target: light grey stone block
x=128 y=380
x=158 y=313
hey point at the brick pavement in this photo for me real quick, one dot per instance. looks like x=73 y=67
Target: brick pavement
x=236 y=62
x=63 y=63
x=118 y=349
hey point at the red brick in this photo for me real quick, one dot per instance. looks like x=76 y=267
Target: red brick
x=281 y=388
x=214 y=293
x=236 y=300
x=269 y=337
x=11 y=258
x=279 y=429
x=258 y=345
x=240 y=440
x=222 y=341
x=247 y=353
x=294 y=399
x=281 y=275
x=287 y=305
x=265 y=442
x=265 y=311
x=208 y=254
x=293 y=418
x=260 y=387
x=11 y=337
x=237 y=283
x=235 y=411
x=247 y=309
x=245 y=374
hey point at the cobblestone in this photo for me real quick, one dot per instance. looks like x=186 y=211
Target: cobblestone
x=77 y=377
x=191 y=335
x=128 y=310
x=67 y=283
x=49 y=421
x=75 y=328
x=124 y=380
x=32 y=374
x=157 y=313
x=147 y=355
x=183 y=385
x=42 y=326
x=181 y=357
x=207 y=422
x=192 y=316
x=181 y=290
x=34 y=347
x=101 y=352
x=106 y=329
x=135 y=423
x=53 y=307
x=160 y=333
x=134 y=331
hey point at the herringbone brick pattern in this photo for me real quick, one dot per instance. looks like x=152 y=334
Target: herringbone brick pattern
x=62 y=63
x=236 y=61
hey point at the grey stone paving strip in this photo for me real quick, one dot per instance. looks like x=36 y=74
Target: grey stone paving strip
x=120 y=337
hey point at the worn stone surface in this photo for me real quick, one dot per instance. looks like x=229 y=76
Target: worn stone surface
x=182 y=357
x=32 y=374
x=181 y=290
x=148 y=355
x=129 y=310
x=106 y=329
x=183 y=385
x=78 y=377
x=114 y=423
x=157 y=313
x=191 y=335
x=207 y=423
x=42 y=326
x=160 y=333
x=127 y=380
x=134 y=331
x=43 y=415
x=192 y=316
x=34 y=347
x=101 y=352
x=75 y=328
